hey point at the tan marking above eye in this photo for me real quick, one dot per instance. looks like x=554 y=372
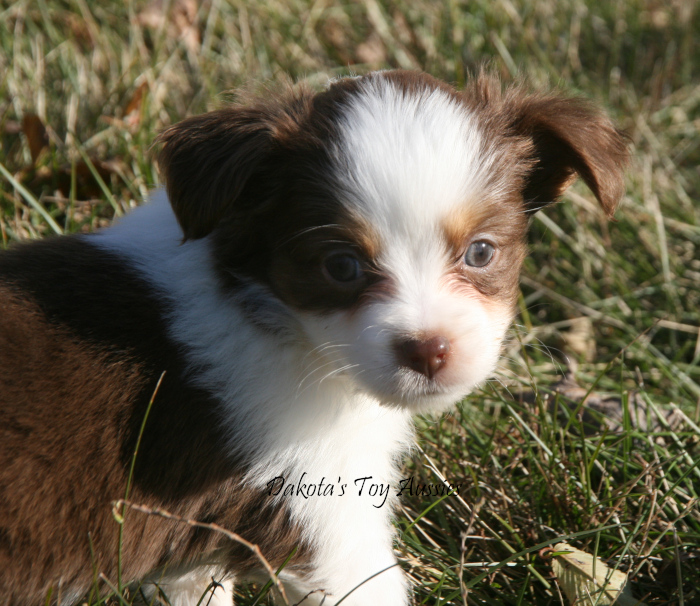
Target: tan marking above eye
x=361 y=232
x=459 y=226
x=499 y=224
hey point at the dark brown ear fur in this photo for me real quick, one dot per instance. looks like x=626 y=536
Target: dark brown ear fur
x=572 y=137
x=568 y=137
x=206 y=162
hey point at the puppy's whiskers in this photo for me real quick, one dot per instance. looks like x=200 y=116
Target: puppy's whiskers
x=320 y=349
x=301 y=388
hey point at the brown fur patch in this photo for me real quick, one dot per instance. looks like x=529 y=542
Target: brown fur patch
x=59 y=450
x=82 y=345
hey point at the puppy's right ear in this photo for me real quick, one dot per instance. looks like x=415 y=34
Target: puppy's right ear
x=206 y=162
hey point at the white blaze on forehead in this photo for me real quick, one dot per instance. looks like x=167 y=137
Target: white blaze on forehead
x=406 y=160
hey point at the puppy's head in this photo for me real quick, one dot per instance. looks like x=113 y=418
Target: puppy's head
x=388 y=213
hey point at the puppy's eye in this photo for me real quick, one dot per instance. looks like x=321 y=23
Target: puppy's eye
x=343 y=267
x=479 y=254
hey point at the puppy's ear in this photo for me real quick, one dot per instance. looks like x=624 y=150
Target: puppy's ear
x=207 y=160
x=569 y=137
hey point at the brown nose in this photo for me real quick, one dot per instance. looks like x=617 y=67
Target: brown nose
x=424 y=356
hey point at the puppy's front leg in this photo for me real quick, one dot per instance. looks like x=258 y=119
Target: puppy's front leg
x=201 y=585
x=388 y=588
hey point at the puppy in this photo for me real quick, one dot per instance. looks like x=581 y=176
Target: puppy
x=322 y=267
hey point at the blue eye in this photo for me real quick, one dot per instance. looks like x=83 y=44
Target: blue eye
x=343 y=267
x=479 y=254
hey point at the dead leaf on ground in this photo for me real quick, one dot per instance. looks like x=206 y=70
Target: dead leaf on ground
x=334 y=33
x=132 y=112
x=180 y=20
x=588 y=581
x=35 y=132
x=372 y=51
x=80 y=32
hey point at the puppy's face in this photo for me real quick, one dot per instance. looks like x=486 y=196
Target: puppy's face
x=406 y=273
x=389 y=214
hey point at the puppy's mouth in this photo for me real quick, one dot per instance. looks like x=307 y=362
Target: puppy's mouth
x=407 y=388
x=416 y=384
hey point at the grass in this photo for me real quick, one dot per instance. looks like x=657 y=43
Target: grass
x=84 y=88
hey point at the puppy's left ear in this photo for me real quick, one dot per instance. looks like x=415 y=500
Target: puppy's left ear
x=569 y=137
